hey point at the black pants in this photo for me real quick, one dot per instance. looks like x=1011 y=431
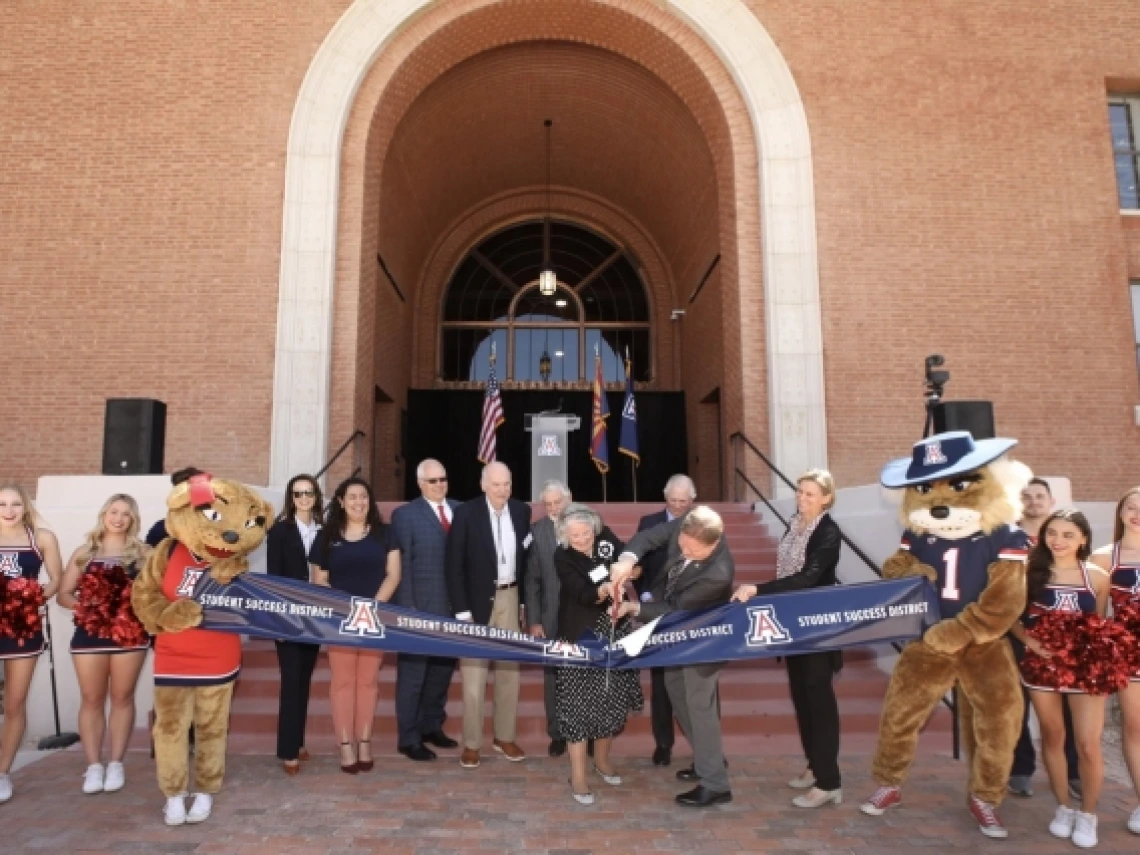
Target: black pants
x=817 y=714
x=422 y=683
x=661 y=709
x=296 y=662
x=549 y=702
x=1025 y=757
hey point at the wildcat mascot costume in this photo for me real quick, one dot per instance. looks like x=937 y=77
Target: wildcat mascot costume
x=214 y=524
x=960 y=507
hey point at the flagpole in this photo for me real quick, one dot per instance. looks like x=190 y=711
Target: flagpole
x=632 y=462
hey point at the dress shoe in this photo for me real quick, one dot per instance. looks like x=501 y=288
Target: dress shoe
x=700 y=797
x=1019 y=785
x=291 y=767
x=662 y=756
x=303 y=754
x=440 y=740
x=362 y=764
x=815 y=797
x=689 y=773
x=557 y=747
x=469 y=759
x=419 y=753
x=348 y=768
x=509 y=750
x=611 y=778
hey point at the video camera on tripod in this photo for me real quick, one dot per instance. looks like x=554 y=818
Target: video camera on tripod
x=977 y=417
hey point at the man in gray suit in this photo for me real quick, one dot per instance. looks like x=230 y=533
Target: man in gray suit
x=698 y=574
x=541 y=592
x=420 y=528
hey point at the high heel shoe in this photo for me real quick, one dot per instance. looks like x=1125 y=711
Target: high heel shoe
x=614 y=780
x=366 y=765
x=353 y=767
x=815 y=797
x=586 y=798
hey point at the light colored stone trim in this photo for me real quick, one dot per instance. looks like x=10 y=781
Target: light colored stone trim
x=309 y=233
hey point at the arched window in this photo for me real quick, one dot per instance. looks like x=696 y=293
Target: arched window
x=600 y=305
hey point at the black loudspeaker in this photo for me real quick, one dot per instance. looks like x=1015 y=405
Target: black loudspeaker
x=977 y=417
x=134 y=436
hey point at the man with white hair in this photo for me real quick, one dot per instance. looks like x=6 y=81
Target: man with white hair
x=698 y=574
x=541 y=590
x=421 y=527
x=680 y=493
x=486 y=559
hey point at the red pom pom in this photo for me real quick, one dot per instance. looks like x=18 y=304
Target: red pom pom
x=1090 y=654
x=20 y=603
x=104 y=607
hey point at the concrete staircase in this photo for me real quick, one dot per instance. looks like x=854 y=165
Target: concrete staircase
x=755 y=705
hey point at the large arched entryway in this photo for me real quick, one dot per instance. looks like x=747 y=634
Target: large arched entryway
x=419 y=129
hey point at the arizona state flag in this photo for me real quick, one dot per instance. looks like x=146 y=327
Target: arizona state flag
x=599 y=451
x=628 y=445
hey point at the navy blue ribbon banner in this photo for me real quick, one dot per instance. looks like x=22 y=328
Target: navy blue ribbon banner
x=780 y=625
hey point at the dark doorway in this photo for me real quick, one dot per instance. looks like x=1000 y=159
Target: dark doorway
x=444 y=424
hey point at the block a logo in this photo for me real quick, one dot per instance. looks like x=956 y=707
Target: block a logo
x=362 y=621
x=549 y=446
x=764 y=628
x=565 y=650
x=189 y=582
x=934 y=455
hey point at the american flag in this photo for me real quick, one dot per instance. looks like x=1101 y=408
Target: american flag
x=599 y=450
x=492 y=416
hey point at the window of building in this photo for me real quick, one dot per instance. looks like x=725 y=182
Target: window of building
x=600 y=307
x=1136 y=318
x=1124 y=120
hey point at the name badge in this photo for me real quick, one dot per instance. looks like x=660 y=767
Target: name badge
x=599 y=574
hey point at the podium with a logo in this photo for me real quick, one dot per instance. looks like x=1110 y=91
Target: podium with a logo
x=548 y=448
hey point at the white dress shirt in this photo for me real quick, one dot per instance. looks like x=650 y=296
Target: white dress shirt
x=506 y=544
x=308 y=532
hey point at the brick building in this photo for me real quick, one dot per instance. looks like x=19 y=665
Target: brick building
x=293 y=222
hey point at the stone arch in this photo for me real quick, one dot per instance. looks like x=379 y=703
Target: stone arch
x=304 y=348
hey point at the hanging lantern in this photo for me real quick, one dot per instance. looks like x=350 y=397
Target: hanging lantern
x=547 y=283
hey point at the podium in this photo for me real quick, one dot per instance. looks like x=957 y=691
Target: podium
x=548 y=448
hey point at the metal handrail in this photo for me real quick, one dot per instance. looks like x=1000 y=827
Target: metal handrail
x=736 y=439
x=356 y=433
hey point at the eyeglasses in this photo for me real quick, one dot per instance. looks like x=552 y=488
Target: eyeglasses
x=442 y=480
x=303 y=494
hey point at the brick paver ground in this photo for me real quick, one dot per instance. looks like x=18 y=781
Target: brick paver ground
x=424 y=809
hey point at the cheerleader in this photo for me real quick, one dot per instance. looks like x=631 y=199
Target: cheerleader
x=25 y=549
x=1061 y=580
x=1121 y=559
x=104 y=665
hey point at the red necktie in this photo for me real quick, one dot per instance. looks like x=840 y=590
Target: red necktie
x=443 y=518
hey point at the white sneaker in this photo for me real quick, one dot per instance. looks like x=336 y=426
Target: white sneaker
x=804 y=782
x=200 y=810
x=93 y=779
x=114 y=778
x=1133 y=821
x=1084 y=833
x=174 y=813
x=5 y=788
x=1063 y=821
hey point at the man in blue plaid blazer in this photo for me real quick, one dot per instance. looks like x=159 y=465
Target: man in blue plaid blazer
x=420 y=528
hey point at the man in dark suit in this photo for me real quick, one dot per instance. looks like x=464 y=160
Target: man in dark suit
x=680 y=492
x=698 y=575
x=420 y=528
x=541 y=589
x=486 y=561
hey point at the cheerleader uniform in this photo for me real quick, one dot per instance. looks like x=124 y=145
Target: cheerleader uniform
x=1059 y=598
x=25 y=562
x=1125 y=582
x=84 y=642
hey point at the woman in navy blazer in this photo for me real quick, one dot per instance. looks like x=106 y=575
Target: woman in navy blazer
x=288 y=547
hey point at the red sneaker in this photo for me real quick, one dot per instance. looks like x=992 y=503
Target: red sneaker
x=884 y=798
x=988 y=821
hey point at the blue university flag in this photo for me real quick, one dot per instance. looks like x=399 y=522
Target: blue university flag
x=628 y=444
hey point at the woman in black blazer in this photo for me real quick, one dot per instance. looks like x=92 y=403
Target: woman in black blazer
x=288 y=546
x=807 y=558
x=589 y=703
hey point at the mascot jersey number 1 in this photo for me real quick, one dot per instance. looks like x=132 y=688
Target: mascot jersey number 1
x=960 y=509
x=214 y=524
